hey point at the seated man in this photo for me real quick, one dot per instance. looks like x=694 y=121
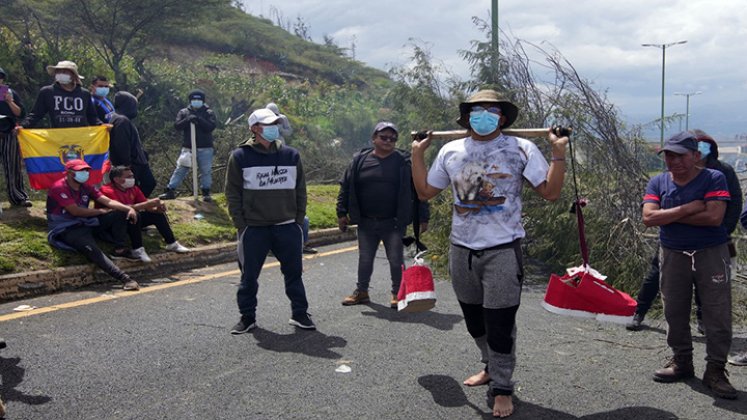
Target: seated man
x=72 y=225
x=150 y=212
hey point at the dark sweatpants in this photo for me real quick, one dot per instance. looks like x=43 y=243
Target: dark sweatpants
x=81 y=239
x=286 y=243
x=10 y=155
x=147 y=218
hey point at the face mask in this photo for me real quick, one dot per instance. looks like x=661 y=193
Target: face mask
x=704 y=148
x=81 y=176
x=102 y=91
x=196 y=103
x=483 y=122
x=63 y=78
x=128 y=183
x=270 y=132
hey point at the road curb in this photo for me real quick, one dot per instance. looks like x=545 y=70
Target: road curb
x=34 y=283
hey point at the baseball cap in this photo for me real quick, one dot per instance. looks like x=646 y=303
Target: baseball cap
x=76 y=165
x=262 y=116
x=681 y=143
x=197 y=94
x=384 y=125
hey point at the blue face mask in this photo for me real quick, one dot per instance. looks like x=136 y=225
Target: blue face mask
x=196 y=103
x=483 y=122
x=704 y=148
x=102 y=91
x=270 y=132
x=81 y=176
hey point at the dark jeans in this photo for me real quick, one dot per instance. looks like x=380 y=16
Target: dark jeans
x=113 y=228
x=370 y=233
x=650 y=288
x=81 y=238
x=147 y=218
x=286 y=243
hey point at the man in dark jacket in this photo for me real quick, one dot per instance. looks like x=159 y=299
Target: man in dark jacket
x=203 y=118
x=650 y=286
x=376 y=193
x=65 y=101
x=11 y=110
x=266 y=194
x=125 y=147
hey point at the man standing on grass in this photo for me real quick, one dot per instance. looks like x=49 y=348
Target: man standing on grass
x=266 y=194
x=487 y=171
x=688 y=203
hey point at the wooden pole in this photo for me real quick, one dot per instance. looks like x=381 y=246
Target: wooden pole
x=458 y=134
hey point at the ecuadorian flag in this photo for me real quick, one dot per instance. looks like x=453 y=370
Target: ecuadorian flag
x=45 y=152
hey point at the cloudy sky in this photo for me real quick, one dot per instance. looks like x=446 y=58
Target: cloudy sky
x=601 y=38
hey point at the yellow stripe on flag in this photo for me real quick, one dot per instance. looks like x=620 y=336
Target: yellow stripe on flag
x=47 y=142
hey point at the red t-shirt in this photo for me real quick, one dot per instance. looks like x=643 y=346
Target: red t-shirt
x=128 y=197
x=61 y=195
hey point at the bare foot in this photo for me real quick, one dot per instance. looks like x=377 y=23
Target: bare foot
x=503 y=406
x=477 y=379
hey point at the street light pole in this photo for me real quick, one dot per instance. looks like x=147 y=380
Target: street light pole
x=663 y=69
x=687 y=109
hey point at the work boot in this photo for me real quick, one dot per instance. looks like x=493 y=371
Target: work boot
x=169 y=194
x=715 y=378
x=206 y=195
x=678 y=368
x=356 y=298
x=636 y=324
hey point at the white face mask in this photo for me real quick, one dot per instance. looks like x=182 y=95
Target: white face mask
x=63 y=78
x=128 y=183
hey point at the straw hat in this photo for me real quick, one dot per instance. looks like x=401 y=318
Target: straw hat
x=65 y=65
x=508 y=109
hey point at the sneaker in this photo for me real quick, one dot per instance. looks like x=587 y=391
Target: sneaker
x=309 y=250
x=302 y=321
x=356 y=298
x=636 y=324
x=124 y=254
x=739 y=359
x=130 y=285
x=140 y=253
x=715 y=378
x=245 y=324
x=169 y=194
x=700 y=327
x=178 y=248
x=676 y=369
x=393 y=301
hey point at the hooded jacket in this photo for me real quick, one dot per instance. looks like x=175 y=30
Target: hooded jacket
x=347 y=198
x=205 y=123
x=734 y=205
x=265 y=187
x=65 y=109
x=125 y=147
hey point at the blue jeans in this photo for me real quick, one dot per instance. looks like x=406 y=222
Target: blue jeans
x=204 y=165
x=285 y=243
x=370 y=233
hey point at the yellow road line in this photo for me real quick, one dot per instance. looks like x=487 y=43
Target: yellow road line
x=154 y=288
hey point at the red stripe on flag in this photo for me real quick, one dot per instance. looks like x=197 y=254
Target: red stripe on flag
x=45 y=180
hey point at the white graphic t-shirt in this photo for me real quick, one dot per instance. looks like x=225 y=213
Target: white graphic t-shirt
x=486 y=180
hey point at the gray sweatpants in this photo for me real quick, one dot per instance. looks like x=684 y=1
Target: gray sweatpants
x=487 y=284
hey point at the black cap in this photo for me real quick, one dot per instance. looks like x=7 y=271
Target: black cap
x=197 y=94
x=681 y=143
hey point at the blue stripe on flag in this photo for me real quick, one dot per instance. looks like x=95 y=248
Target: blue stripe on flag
x=47 y=164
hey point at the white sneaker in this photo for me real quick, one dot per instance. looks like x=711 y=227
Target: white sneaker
x=140 y=253
x=178 y=248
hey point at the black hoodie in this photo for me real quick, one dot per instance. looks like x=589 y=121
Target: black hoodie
x=65 y=109
x=125 y=147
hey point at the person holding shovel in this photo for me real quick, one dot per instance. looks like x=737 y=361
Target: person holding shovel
x=203 y=118
x=486 y=171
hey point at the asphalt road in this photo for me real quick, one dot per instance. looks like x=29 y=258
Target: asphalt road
x=166 y=353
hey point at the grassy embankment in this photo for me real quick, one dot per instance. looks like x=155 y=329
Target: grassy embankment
x=23 y=232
